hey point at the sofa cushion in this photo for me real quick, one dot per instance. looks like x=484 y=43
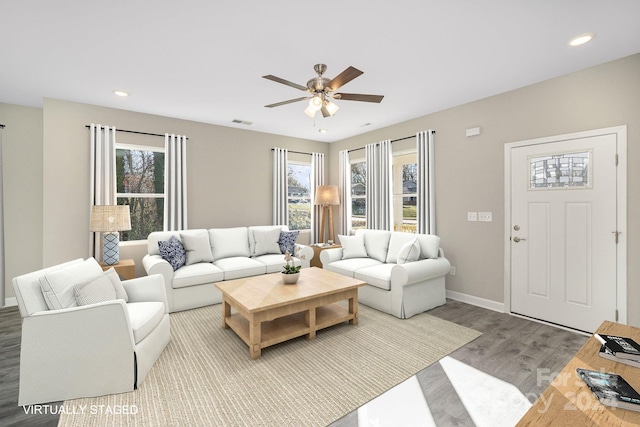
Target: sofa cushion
x=266 y=242
x=429 y=245
x=144 y=317
x=409 y=252
x=348 y=267
x=397 y=241
x=274 y=263
x=196 y=244
x=197 y=274
x=353 y=246
x=252 y=238
x=98 y=289
x=157 y=236
x=377 y=275
x=287 y=241
x=376 y=242
x=58 y=285
x=173 y=252
x=229 y=242
x=236 y=267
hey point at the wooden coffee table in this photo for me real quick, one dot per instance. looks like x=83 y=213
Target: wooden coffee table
x=269 y=312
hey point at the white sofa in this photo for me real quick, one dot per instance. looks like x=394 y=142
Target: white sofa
x=87 y=350
x=233 y=253
x=405 y=272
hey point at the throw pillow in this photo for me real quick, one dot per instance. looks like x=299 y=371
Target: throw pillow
x=353 y=246
x=266 y=242
x=97 y=290
x=113 y=276
x=197 y=246
x=173 y=252
x=57 y=286
x=409 y=252
x=287 y=241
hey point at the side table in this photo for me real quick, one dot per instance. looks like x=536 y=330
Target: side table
x=315 y=261
x=126 y=268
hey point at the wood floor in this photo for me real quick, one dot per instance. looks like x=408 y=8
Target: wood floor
x=511 y=348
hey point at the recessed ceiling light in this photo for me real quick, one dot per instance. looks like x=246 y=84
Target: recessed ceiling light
x=581 y=39
x=322 y=130
x=120 y=93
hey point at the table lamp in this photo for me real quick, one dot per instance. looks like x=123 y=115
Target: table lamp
x=327 y=196
x=110 y=220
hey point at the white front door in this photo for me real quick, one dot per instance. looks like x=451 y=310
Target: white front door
x=563 y=231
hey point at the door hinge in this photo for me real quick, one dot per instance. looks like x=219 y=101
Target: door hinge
x=616 y=314
x=616 y=160
x=616 y=233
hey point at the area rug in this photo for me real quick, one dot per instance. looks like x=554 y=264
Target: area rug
x=205 y=375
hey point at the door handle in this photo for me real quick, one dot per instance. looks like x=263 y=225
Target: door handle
x=518 y=239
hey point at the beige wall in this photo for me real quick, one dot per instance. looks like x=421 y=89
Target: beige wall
x=22 y=175
x=470 y=171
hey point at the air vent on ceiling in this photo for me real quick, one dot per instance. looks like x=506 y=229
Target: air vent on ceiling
x=242 y=122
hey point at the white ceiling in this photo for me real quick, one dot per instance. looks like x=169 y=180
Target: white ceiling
x=202 y=60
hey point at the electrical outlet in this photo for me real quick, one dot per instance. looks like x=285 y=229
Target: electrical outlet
x=472 y=216
x=452 y=271
x=485 y=216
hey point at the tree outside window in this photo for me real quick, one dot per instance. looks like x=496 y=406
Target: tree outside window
x=358 y=195
x=140 y=184
x=299 y=195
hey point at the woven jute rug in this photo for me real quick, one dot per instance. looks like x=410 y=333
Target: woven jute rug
x=206 y=378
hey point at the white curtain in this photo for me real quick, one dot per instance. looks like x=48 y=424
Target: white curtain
x=280 y=188
x=344 y=187
x=425 y=188
x=379 y=186
x=317 y=178
x=103 y=176
x=2 y=284
x=175 y=182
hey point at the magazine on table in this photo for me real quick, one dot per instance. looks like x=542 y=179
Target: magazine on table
x=611 y=389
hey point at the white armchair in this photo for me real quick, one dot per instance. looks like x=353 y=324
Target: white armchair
x=89 y=350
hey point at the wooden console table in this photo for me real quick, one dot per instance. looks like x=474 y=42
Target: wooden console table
x=569 y=402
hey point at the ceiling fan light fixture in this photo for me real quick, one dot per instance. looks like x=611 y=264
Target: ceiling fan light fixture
x=311 y=112
x=331 y=107
x=315 y=103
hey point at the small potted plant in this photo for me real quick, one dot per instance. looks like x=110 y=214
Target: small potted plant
x=291 y=272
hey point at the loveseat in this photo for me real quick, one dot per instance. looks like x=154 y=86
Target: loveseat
x=85 y=333
x=404 y=272
x=215 y=255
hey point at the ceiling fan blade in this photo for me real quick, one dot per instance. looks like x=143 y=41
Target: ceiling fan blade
x=343 y=78
x=325 y=112
x=358 y=97
x=285 y=82
x=277 y=104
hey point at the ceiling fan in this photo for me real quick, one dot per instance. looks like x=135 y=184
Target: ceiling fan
x=322 y=90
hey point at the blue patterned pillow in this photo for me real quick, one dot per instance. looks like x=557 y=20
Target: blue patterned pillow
x=287 y=241
x=173 y=252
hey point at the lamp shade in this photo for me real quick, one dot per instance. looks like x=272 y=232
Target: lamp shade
x=327 y=195
x=110 y=218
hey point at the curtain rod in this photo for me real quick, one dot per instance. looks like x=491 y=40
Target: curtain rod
x=135 y=131
x=298 y=152
x=393 y=140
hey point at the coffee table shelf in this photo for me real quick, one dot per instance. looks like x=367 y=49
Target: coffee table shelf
x=291 y=326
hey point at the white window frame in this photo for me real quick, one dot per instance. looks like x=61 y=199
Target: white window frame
x=351 y=196
x=298 y=162
x=125 y=146
x=402 y=194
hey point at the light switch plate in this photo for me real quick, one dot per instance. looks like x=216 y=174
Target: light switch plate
x=485 y=216
x=472 y=216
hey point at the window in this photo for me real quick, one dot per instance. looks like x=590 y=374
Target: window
x=560 y=171
x=140 y=184
x=358 y=195
x=405 y=181
x=299 y=195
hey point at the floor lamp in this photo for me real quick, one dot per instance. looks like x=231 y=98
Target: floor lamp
x=327 y=196
x=110 y=220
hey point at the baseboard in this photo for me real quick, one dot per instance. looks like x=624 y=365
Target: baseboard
x=10 y=302
x=477 y=301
